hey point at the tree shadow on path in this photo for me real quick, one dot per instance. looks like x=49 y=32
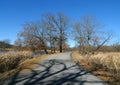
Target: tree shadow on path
x=55 y=72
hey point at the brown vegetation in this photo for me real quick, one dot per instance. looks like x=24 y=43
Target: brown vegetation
x=104 y=65
x=13 y=62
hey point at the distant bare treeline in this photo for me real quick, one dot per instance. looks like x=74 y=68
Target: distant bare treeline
x=5 y=44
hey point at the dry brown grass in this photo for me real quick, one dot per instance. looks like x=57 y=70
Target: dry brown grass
x=11 y=60
x=21 y=61
x=31 y=64
x=104 y=65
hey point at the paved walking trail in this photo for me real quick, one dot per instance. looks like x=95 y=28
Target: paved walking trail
x=56 y=70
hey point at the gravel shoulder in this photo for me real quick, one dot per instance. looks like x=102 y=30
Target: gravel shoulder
x=59 y=69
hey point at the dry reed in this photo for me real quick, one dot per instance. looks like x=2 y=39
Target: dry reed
x=11 y=60
x=108 y=62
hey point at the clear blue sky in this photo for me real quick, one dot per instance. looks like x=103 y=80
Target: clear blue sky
x=13 y=13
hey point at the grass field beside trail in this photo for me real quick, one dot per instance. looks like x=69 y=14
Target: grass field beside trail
x=104 y=65
x=21 y=61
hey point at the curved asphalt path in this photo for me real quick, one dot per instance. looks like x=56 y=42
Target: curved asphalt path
x=59 y=69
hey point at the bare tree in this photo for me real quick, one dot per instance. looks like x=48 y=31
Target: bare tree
x=27 y=35
x=7 y=43
x=18 y=44
x=116 y=46
x=61 y=23
x=51 y=31
x=56 y=29
x=33 y=35
x=40 y=33
x=89 y=35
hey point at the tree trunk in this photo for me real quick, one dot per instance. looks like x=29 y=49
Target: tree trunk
x=54 y=50
x=45 y=50
x=60 y=46
x=51 y=47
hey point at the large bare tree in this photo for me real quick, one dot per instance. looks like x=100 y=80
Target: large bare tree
x=50 y=31
x=60 y=23
x=89 y=35
x=33 y=35
x=57 y=27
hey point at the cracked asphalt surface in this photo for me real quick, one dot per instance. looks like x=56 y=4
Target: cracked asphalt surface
x=59 y=69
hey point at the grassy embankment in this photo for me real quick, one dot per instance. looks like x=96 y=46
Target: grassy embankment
x=21 y=61
x=104 y=65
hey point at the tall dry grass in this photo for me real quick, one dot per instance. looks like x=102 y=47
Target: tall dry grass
x=11 y=60
x=18 y=62
x=108 y=62
x=111 y=61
